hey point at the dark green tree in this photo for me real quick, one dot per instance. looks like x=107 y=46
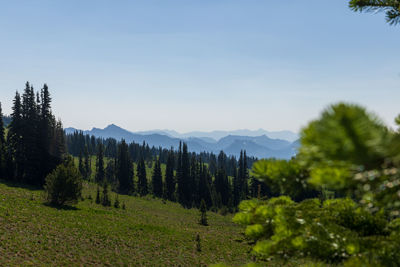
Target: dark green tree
x=124 y=169
x=183 y=177
x=223 y=187
x=142 y=178
x=100 y=173
x=105 y=201
x=203 y=213
x=116 y=202
x=157 y=182
x=204 y=186
x=81 y=166
x=14 y=140
x=88 y=163
x=98 y=195
x=169 y=177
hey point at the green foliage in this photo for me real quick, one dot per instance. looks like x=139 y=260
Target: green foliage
x=349 y=149
x=284 y=177
x=64 y=185
x=391 y=7
x=333 y=231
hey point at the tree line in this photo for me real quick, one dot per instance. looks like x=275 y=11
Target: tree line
x=33 y=144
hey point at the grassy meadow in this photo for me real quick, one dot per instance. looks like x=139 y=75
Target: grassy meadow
x=147 y=233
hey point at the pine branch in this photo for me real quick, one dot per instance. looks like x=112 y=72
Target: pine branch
x=391 y=7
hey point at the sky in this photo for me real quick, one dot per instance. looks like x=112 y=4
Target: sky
x=198 y=64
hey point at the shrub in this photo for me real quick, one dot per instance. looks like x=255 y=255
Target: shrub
x=64 y=184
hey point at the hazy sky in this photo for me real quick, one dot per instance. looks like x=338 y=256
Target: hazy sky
x=198 y=64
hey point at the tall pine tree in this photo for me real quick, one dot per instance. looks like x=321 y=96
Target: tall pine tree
x=100 y=173
x=124 y=169
x=157 y=179
x=142 y=178
x=169 y=177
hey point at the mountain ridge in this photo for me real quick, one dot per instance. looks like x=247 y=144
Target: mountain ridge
x=258 y=146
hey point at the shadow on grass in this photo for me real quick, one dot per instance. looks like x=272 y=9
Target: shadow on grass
x=21 y=185
x=60 y=207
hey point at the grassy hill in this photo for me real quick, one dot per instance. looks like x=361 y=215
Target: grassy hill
x=147 y=233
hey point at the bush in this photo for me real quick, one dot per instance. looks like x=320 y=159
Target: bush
x=64 y=185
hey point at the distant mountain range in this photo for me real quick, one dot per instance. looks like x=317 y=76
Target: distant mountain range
x=256 y=143
x=216 y=135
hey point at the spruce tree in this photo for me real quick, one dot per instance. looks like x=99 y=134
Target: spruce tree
x=169 y=176
x=222 y=186
x=142 y=178
x=124 y=169
x=184 y=190
x=106 y=199
x=81 y=164
x=100 y=173
x=203 y=213
x=15 y=139
x=204 y=187
x=116 y=202
x=157 y=180
x=98 y=195
x=88 y=169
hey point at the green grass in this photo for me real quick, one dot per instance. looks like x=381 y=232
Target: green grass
x=147 y=233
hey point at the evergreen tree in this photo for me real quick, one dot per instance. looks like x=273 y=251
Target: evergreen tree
x=204 y=187
x=81 y=165
x=110 y=173
x=15 y=139
x=245 y=177
x=100 y=174
x=222 y=186
x=194 y=181
x=45 y=133
x=183 y=180
x=169 y=177
x=124 y=169
x=30 y=137
x=98 y=195
x=157 y=180
x=106 y=199
x=142 y=178
x=88 y=168
x=236 y=187
x=203 y=213
x=116 y=202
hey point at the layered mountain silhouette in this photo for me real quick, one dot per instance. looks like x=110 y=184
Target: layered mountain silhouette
x=260 y=146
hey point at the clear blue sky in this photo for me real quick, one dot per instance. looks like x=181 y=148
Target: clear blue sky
x=198 y=65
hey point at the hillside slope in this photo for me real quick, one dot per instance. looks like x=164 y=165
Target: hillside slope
x=147 y=233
